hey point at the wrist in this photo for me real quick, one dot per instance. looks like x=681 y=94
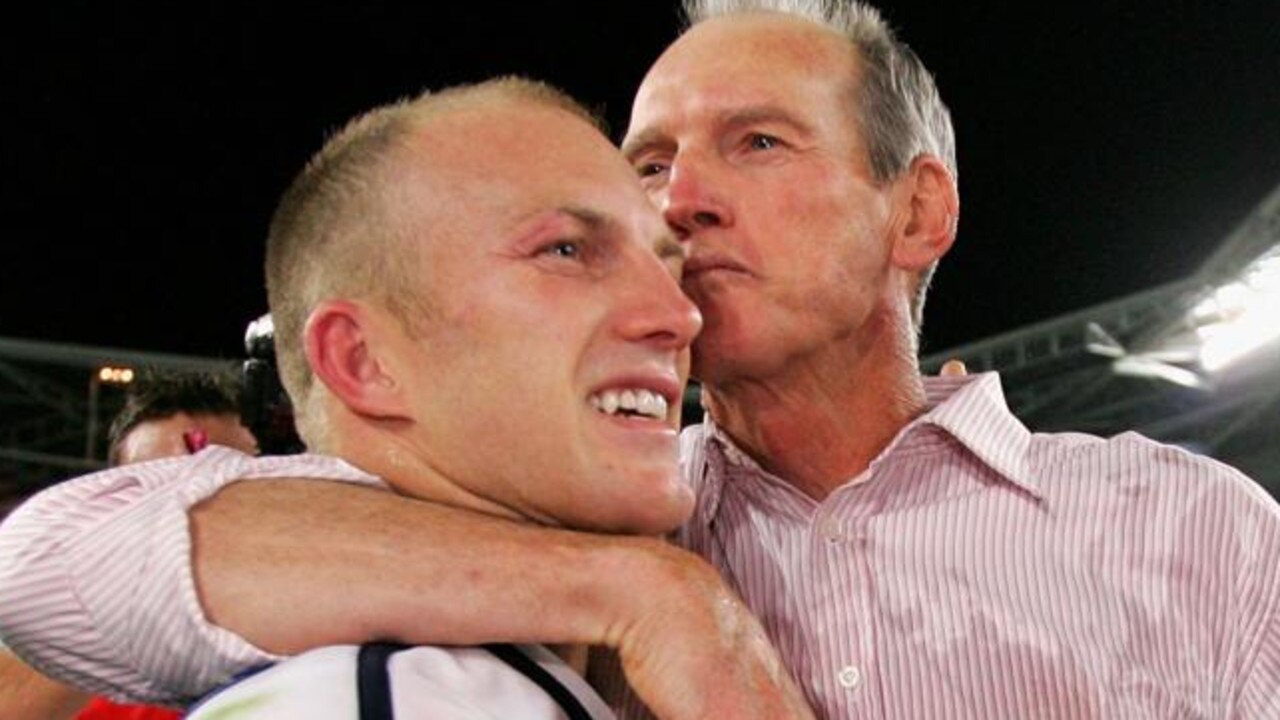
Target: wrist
x=653 y=588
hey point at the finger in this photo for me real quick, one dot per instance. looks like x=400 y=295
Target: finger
x=953 y=368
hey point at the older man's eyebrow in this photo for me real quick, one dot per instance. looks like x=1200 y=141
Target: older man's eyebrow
x=643 y=141
x=728 y=119
x=763 y=115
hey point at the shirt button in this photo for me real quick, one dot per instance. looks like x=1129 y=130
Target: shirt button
x=849 y=677
x=831 y=530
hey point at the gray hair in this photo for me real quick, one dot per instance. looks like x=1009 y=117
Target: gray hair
x=897 y=105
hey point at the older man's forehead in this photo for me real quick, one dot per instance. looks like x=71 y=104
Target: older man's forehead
x=731 y=57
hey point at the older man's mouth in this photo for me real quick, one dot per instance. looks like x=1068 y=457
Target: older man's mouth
x=699 y=266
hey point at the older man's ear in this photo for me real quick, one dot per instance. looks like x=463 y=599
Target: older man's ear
x=927 y=196
x=345 y=350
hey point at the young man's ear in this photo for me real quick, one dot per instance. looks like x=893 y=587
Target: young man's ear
x=342 y=340
x=933 y=213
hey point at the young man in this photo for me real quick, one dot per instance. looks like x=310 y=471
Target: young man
x=476 y=305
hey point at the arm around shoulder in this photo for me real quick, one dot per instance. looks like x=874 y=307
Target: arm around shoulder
x=162 y=610
x=355 y=565
x=95 y=580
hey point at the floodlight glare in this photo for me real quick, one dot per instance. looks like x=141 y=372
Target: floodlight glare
x=1242 y=316
x=1140 y=366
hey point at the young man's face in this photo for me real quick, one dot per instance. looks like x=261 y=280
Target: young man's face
x=745 y=136
x=552 y=357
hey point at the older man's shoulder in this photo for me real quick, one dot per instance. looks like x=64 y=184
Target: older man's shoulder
x=1133 y=465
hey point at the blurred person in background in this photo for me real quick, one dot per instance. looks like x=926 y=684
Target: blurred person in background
x=165 y=414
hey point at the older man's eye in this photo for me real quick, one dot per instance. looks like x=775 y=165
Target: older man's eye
x=760 y=141
x=570 y=249
x=650 y=169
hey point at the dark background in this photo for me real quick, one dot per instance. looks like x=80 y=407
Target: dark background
x=1104 y=148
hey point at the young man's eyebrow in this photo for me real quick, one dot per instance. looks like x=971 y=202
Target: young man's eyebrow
x=593 y=219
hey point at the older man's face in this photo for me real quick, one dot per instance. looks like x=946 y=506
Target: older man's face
x=744 y=136
x=552 y=359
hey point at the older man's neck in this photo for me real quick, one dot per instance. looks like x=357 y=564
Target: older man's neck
x=820 y=423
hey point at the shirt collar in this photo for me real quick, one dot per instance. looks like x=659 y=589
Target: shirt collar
x=969 y=408
x=972 y=409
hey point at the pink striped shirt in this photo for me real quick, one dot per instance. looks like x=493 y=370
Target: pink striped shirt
x=975 y=570
x=978 y=570
x=96 y=585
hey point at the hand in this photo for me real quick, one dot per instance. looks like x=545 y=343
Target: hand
x=693 y=650
x=953 y=368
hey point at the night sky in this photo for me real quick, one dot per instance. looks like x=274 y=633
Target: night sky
x=1103 y=149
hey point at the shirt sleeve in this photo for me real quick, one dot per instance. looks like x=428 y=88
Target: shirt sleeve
x=96 y=583
x=1254 y=661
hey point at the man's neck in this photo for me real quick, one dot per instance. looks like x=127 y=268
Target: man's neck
x=389 y=455
x=382 y=452
x=820 y=423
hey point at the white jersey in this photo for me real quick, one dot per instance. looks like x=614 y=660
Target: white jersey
x=381 y=682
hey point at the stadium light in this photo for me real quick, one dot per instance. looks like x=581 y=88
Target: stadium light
x=1240 y=316
x=115 y=375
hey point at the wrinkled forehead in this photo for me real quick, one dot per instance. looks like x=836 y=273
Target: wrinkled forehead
x=745 y=59
x=747 y=37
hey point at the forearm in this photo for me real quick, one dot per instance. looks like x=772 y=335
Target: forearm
x=295 y=564
x=292 y=565
x=287 y=565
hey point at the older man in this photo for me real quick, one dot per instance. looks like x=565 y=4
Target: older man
x=912 y=549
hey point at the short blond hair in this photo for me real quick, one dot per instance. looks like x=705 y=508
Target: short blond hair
x=335 y=231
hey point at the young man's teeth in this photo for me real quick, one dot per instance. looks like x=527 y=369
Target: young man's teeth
x=653 y=405
x=634 y=402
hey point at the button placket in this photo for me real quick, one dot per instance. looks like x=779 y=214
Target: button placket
x=831 y=530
